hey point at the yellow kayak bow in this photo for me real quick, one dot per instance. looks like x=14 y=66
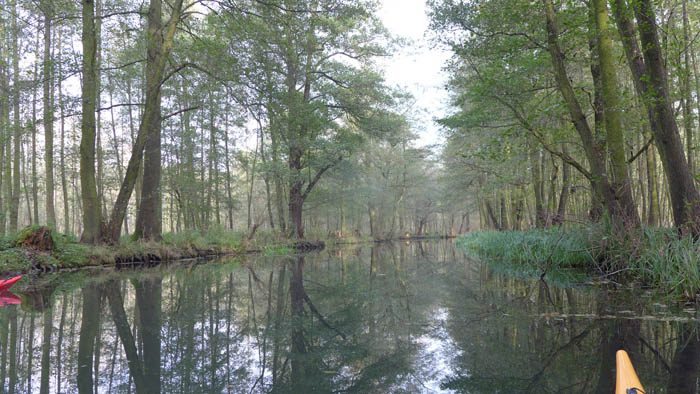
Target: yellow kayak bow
x=627 y=381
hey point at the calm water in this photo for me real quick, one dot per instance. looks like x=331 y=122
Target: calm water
x=401 y=318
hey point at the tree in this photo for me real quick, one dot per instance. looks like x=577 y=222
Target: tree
x=92 y=222
x=319 y=105
x=159 y=44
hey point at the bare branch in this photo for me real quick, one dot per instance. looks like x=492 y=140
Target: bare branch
x=178 y=112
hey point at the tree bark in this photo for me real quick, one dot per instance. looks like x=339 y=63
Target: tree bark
x=15 y=188
x=537 y=187
x=688 y=122
x=35 y=179
x=48 y=115
x=92 y=225
x=62 y=152
x=565 y=189
x=621 y=183
x=4 y=126
x=652 y=188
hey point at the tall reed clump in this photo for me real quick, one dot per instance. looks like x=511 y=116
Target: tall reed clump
x=668 y=262
x=543 y=248
x=659 y=258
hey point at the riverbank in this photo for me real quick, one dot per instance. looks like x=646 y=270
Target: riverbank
x=38 y=249
x=657 y=258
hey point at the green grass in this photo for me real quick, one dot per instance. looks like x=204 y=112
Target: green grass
x=553 y=247
x=666 y=261
x=659 y=258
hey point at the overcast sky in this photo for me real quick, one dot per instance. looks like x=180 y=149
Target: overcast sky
x=418 y=67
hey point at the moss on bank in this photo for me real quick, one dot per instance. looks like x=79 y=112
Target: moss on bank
x=655 y=257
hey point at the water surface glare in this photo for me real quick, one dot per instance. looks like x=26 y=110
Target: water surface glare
x=388 y=318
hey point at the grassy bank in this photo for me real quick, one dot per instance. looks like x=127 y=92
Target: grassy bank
x=654 y=257
x=36 y=248
x=39 y=249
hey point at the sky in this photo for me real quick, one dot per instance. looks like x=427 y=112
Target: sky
x=418 y=67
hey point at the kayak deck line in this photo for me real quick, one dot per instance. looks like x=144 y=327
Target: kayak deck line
x=627 y=381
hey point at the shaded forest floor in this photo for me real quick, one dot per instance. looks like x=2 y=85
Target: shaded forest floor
x=657 y=258
x=38 y=249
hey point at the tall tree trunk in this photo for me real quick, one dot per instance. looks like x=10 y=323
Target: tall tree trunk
x=14 y=195
x=536 y=185
x=88 y=189
x=149 y=217
x=250 y=175
x=565 y=189
x=62 y=152
x=159 y=44
x=696 y=78
x=35 y=180
x=279 y=193
x=4 y=125
x=504 y=214
x=652 y=188
x=688 y=122
x=621 y=183
x=99 y=180
x=229 y=197
x=48 y=114
x=266 y=179
x=25 y=184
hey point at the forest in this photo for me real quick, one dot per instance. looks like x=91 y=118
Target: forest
x=571 y=111
x=149 y=118
x=579 y=118
x=239 y=199
x=125 y=121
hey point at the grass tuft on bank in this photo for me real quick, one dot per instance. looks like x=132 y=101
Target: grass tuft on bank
x=554 y=248
x=659 y=258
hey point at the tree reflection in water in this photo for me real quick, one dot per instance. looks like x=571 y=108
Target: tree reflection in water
x=387 y=318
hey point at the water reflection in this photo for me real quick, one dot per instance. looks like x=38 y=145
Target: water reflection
x=391 y=318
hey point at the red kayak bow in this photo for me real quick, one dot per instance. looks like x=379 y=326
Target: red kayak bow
x=7 y=298
x=7 y=283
